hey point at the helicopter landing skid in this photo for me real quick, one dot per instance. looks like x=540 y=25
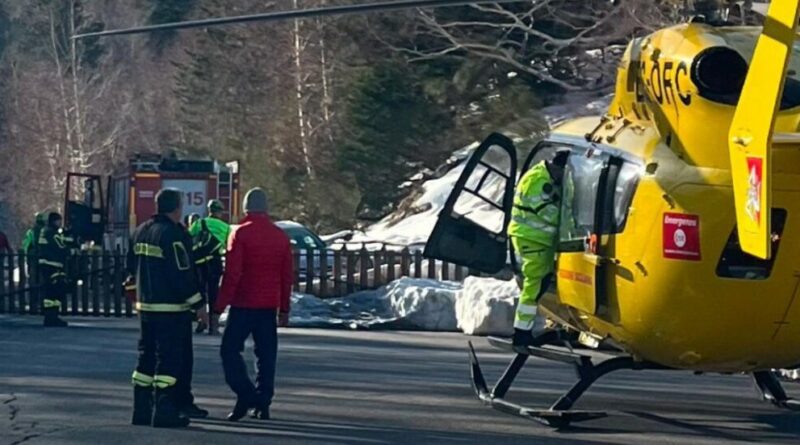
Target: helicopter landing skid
x=559 y=415
x=772 y=391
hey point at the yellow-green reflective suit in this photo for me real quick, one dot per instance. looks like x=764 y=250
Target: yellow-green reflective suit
x=533 y=231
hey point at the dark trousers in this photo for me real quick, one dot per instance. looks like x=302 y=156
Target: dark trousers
x=183 y=389
x=262 y=325
x=210 y=276
x=54 y=286
x=163 y=349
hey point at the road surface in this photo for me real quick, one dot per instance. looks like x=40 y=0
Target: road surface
x=71 y=386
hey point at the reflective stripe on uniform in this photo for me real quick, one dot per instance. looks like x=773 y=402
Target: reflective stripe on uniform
x=525 y=325
x=532 y=201
x=140 y=379
x=161 y=307
x=148 y=250
x=164 y=381
x=544 y=227
x=527 y=309
x=181 y=256
x=204 y=260
x=169 y=307
x=58 y=274
x=196 y=298
x=45 y=262
x=47 y=303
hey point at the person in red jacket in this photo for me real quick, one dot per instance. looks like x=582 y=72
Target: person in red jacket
x=257 y=285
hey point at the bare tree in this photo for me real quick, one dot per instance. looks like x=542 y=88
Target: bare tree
x=560 y=42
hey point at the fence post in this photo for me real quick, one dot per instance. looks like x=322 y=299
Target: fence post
x=296 y=263
x=351 y=272
x=3 y=284
x=390 y=275
x=364 y=262
x=94 y=270
x=117 y=284
x=12 y=288
x=337 y=273
x=431 y=268
x=34 y=280
x=418 y=264
x=445 y=271
x=107 y=289
x=323 y=272
x=405 y=263
x=377 y=277
x=74 y=276
x=459 y=273
x=83 y=267
x=310 y=269
x=24 y=300
x=128 y=303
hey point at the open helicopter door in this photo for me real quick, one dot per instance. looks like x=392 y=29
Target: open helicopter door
x=471 y=229
x=586 y=198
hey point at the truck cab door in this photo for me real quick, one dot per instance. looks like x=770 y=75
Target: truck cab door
x=588 y=189
x=471 y=228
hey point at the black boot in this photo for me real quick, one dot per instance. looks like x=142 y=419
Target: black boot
x=239 y=411
x=193 y=411
x=142 y=405
x=261 y=412
x=165 y=414
x=51 y=319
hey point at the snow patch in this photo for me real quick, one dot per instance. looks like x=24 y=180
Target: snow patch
x=485 y=306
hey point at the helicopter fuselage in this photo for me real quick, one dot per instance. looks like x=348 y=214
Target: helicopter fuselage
x=675 y=288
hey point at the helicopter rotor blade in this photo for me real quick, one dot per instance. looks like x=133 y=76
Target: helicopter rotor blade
x=293 y=14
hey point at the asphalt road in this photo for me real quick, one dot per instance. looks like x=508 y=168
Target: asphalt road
x=338 y=387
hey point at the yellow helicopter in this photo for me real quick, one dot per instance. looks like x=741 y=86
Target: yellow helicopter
x=679 y=232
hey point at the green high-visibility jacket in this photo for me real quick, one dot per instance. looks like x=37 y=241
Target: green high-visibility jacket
x=31 y=240
x=535 y=214
x=218 y=228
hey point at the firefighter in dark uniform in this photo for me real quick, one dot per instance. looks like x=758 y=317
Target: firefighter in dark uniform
x=160 y=259
x=53 y=251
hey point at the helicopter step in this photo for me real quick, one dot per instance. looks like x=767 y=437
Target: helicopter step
x=560 y=414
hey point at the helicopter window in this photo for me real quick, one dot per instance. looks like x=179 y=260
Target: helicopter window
x=736 y=264
x=627 y=180
x=580 y=186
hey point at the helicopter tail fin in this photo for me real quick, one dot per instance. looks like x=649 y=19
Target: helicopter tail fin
x=751 y=133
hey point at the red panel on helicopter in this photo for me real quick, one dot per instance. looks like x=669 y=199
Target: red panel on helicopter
x=681 y=236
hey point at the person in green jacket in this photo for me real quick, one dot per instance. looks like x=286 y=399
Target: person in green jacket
x=31 y=239
x=210 y=241
x=534 y=233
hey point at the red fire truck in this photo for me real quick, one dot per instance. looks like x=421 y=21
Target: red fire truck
x=131 y=191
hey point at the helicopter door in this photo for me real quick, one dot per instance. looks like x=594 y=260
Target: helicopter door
x=584 y=218
x=471 y=228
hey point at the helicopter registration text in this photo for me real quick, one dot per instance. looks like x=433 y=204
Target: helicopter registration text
x=681 y=238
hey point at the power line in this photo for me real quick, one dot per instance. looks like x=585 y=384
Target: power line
x=293 y=14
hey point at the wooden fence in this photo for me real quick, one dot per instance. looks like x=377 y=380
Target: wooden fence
x=95 y=290
x=97 y=278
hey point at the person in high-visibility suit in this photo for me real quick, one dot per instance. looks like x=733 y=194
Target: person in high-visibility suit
x=210 y=240
x=534 y=234
x=52 y=251
x=159 y=259
x=31 y=238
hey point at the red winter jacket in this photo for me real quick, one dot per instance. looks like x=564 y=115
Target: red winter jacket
x=258 y=267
